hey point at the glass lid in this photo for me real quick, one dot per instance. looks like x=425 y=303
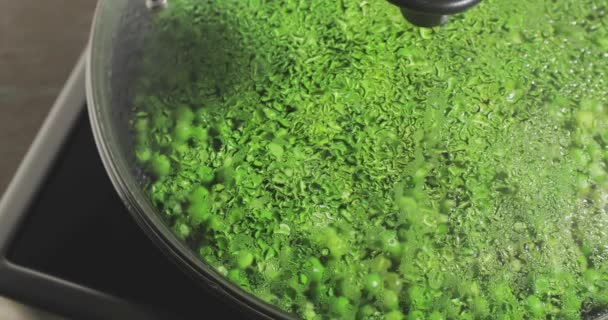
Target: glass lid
x=357 y=159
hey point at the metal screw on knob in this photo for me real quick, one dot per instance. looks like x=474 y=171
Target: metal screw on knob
x=156 y=4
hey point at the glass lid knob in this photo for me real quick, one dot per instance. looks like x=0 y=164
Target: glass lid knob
x=431 y=13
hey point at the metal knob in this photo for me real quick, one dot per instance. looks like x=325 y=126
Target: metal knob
x=156 y=4
x=431 y=13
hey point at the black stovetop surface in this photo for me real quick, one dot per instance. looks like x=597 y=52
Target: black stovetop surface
x=77 y=229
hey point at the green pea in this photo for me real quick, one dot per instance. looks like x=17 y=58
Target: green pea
x=183 y=132
x=222 y=270
x=515 y=265
x=141 y=125
x=409 y=209
x=442 y=229
x=349 y=289
x=184 y=114
x=366 y=312
x=199 y=212
x=315 y=269
x=417 y=296
x=394 y=315
x=536 y=306
x=415 y=315
x=214 y=223
x=200 y=134
x=390 y=300
x=142 y=139
x=308 y=311
x=205 y=174
x=236 y=276
x=591 y=276
x=393 y=281
x=244 y=259
x=199 y=194
x=161 y=166
x=339 y=306
x=373 y=283
x=585 y=119
x=183 y=230
x=336 y=246
x=391 y=244
x=380 y=264
x=143 y=154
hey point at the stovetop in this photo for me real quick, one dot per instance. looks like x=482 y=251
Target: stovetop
x=67 y=243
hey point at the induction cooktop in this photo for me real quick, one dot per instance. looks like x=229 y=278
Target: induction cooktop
x=68 y=244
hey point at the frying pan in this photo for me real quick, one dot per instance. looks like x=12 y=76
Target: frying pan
x=117 y=49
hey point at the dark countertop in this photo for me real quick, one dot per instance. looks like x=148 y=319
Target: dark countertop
x=40 y=42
